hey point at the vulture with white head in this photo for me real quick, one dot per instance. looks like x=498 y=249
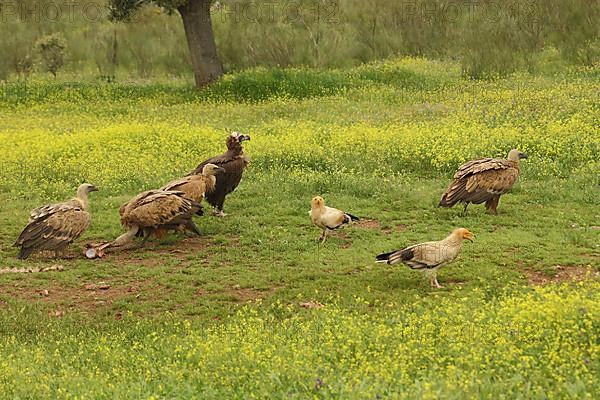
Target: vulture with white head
x=429 y=256
x=233 y=161
x=54 y=226
x=327 y=218
x=483 y=180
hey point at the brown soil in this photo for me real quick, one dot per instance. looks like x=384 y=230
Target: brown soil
x=399 y=228
x=562 y=273
x=153 y=254
x=87 y=298
x=367 y=224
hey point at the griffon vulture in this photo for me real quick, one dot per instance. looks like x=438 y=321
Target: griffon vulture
x=55 y=226
x=233 y=161
x=429 y=256
x=327 y=218
x=195 y=187
x=155 y=212
x=483 y=180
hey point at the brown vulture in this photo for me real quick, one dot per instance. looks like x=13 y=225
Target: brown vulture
x=196 y=187
x=429 y=256
x=155 y=212
x=327 y=218
x=233 y=161
x=55 y=226
x=483 y=180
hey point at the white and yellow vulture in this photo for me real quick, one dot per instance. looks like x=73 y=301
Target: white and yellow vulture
x=154 y=212
x=55 y=226
x=429 y=256
x=483 y=180
x=327 y=218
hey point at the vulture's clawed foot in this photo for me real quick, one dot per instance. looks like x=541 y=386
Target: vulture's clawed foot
x=219 y=213
x=434 y=283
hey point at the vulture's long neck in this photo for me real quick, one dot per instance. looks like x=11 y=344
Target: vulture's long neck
x=235 y=151
x=211 y=182
x=454 y=240
x=319 y=208
x=82 y=198
x=514 y=162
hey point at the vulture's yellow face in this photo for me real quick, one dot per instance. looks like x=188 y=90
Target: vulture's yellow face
x=466 y=234
x=317 y=202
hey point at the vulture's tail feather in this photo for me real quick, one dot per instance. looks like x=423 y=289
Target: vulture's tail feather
x=24 y=253
x=384 y=257
x=444 y=202
x=352 y=217
x=193 y=228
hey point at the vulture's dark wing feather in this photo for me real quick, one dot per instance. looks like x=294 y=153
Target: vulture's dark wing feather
x=220 y=160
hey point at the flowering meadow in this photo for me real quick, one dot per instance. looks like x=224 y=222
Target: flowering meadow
x=537 y=345
x=255 y=308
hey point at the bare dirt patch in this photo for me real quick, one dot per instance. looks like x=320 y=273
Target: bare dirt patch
x=154 y=253
x=398 y=228
x=87 y=298
x=562 y=273
x=249 y=294
x=367 y=224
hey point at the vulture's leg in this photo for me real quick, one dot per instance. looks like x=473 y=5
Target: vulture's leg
x=218 y=211
x=434 y=282
x=465 y=209
x=491 y=205
x=143 y=243
x=323 y=237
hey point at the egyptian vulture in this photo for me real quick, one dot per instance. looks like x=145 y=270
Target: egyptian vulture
x=483 y=180
x=155 y=212
x=233 y=161
x=55 y=226
x=429 y=256
x=195 y=187
x=327 y=218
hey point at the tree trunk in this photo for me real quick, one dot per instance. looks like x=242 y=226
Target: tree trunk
x=201 y=41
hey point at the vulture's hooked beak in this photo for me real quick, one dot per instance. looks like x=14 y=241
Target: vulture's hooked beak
x=241 y=138
x=220 y=170
x=93 y=188
x=469 y=236
x=522 y=155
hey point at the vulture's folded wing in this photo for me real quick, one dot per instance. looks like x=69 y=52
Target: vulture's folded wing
x=421 y=256
x=333 y=218
x=59 y=226
x=494 y=181
x=192 y=185
x=160 y=208
x=476 y=181
x=220 y=160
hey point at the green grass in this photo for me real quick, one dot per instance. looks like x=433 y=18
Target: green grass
x=219 y=316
